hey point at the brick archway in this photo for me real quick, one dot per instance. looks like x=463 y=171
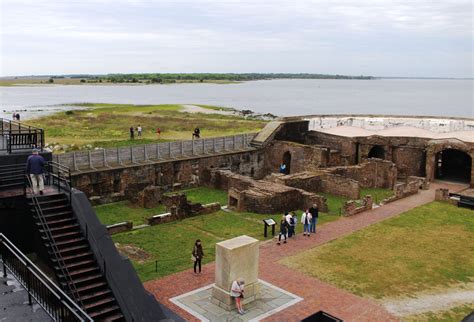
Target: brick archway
x=451 y=149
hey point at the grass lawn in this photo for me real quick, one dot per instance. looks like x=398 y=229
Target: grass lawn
x=377 y=194
x=334 y=202
x=171 y=244
x=425 y=248
x=206 y=195
x=107 y=125
x=116 y=212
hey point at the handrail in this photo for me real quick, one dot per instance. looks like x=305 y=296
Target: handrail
x=57 y=314
x=62 y=176
x=55 y=250
x=20 y=136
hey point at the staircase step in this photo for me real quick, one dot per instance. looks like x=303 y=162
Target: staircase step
x=108 y=309
x=54 y=208
x=63 y=235
x=77 y=264
x=70 y=249
x=65 y=227
x=95 y=295
x=63 y=213
x=103 y=301
x=84 y=279
x=59 y=221
x=91 y=286
x=50 y=201
x=68 y=242
x=81 y=271
x=115 y=317
x=75 y=256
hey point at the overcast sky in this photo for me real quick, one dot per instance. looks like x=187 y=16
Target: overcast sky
x=372 y=37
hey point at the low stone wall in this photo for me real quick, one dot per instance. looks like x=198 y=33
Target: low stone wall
x=351 y=207
x=120 y=227
x=261 y=196
x=410 y=187
x=374 y=173
x=320 y=181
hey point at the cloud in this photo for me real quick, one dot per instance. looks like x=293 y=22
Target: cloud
x=78 y=36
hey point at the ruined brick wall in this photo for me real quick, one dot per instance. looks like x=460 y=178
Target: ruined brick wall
x=343 y=149
x=321 y=181
x=303 y=157
x=374 y=173
x=125 y=183
x=410 y=161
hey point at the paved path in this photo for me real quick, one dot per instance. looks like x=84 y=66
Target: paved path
x=317 y=295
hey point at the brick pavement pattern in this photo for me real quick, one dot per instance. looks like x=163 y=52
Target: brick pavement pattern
x=317 y=294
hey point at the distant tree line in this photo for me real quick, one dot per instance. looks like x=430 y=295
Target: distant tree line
x=202 y=77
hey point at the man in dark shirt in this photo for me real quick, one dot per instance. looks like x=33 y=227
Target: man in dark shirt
x=314 y=220
x=34 y=168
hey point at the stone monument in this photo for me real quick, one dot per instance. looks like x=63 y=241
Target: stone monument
x=236 y=258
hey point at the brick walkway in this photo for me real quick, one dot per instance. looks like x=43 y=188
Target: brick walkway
x=317 y=295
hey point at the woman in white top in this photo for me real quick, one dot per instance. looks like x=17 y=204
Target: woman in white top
x=237 y=292
x=306 y=221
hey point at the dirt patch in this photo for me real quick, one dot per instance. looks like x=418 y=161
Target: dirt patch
x=432 y=302
x=134 y=253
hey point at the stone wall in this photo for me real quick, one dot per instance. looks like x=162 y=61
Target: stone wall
x=374 y=173
x=127 y=182
x=321 y=181
x=303 y=157
x=260 y=196
x=351 y=207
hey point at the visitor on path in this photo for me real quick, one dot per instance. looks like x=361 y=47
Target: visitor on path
x=18 y=117
x=158 y=132
x=34 y=168
x=139 y=130
x=314 y=217
x=283 y=229
x=14 y=116
x=283 y=168
x=306 y=221
x=289 y=218
x=132 y=133
x=294 y=223
x=197 y=255
x=237 y=292
x=196 y=133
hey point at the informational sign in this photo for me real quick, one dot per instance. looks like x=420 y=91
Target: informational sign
x=269 y=222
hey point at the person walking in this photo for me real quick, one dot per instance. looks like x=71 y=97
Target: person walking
x=132 y=133
x=34 y=168
x=196 y=133
x=289 y=219
x=237 y=292
x=283 y=168
x=139 y=130
x=283 y=229
x=314 y=217
x=294 y=223
x=198 y=254
x=158 y=132
x=306 y=221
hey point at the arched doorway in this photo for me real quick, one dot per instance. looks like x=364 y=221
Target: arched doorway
x=453 y=165
x=286 y=160
x=377 y=151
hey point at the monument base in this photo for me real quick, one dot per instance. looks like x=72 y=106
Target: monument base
x=223 y=299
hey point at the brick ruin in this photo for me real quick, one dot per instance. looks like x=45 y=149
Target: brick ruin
x=323 y=154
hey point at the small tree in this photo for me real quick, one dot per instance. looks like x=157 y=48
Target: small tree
x=51 y=80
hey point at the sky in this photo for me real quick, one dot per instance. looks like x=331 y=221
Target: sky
x=408 y=38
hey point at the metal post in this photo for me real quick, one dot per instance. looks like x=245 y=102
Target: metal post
x=118 y=156
x=131 y=153
x=145 y=156
x=214 y=145
x=181 y=147
x=28 y=283
x=4 y=266
x=104 y=155
x=233 y=142
x=74 y=162
x=203 y=147
x=90 y=160
x=169 y=150
x=192 y=151
x=224 y=142
x=158 y=151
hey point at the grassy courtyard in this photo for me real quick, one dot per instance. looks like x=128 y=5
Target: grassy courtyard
x=121 y=211
x=429 y=247
x=106 y=125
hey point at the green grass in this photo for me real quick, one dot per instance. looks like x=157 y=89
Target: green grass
x=116 y=212
x=427 y=247
x=377 y=194
x=206 y=195
x=334 y=203
x=171 y=244
x=107 y=125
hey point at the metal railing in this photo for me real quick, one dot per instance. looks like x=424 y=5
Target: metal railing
x=56 y=255
x=139 y=154
x=19 y=136
x=57 y=304
x=59 y=176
